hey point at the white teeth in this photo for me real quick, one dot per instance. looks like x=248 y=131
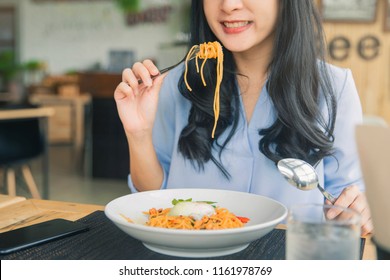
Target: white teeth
x=235 y=24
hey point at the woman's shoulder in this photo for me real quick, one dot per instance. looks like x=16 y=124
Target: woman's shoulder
x=335 y=72
x=340 y=78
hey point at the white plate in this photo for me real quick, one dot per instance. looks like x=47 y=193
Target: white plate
x=264 y=214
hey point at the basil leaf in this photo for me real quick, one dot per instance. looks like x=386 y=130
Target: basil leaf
x=176 y=201
x=208 y=202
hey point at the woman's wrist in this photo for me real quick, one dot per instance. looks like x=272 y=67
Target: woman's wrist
x=140 y=137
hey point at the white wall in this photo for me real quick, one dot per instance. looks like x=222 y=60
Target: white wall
x=77 y=35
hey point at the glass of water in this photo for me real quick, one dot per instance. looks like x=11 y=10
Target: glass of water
x=312 y=236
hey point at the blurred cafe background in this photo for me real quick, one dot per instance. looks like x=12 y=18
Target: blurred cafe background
x=60 y=61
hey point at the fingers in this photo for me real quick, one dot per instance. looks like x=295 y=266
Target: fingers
x=130 y=85
x=367 y=225
x=140 y=72
x=122 y=91
x=352 y=197
x=151 y=67
x=348 y=196
x=345 y=199
x=128 y=77
x=360 y=204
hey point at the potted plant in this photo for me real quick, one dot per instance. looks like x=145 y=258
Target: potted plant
x=34 y=71
x=8 y=69
x=129 y=6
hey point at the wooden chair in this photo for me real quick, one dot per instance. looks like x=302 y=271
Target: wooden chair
x=374 y=120
x=21 y=140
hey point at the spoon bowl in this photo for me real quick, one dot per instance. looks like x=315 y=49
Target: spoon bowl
x=302 y=175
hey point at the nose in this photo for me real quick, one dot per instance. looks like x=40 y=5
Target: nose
x=229 y=6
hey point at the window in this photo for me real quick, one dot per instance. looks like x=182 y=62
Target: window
x=7 y=29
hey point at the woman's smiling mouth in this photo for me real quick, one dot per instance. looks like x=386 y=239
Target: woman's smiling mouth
x=233 y=27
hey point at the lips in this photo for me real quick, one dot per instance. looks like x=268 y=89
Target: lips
x=233 y=27
x=235 y=24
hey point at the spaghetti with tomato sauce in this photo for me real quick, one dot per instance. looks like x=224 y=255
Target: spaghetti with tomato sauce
x=221 y=219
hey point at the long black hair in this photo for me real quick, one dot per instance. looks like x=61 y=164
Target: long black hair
x=295 y=75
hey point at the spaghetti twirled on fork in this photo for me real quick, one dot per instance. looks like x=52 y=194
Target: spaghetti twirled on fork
x=205 y=51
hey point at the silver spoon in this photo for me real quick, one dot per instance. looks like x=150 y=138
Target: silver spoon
x=302 y=175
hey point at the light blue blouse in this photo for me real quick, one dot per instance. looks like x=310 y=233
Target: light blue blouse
x=250 y=170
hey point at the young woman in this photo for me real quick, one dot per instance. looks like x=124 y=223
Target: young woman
x=278 y=99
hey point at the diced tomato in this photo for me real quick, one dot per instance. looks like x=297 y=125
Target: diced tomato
x=243 y=220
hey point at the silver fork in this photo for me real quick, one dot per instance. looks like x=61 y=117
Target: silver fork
x=163 y=71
